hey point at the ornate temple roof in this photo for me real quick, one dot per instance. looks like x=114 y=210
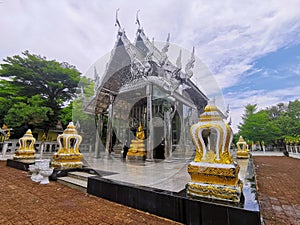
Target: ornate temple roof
x=141 y=63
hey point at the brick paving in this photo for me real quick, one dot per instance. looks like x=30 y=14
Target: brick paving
x=27 y=202
x=278 y=181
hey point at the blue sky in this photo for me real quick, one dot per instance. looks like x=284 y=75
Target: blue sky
x=251 y=47
x=274 y=78
x=275 y=70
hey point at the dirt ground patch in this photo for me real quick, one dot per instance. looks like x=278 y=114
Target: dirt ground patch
x=278 y=181
x=27 y=202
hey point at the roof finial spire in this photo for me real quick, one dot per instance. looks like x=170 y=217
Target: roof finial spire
x=137 y=19
x=117 y=20
x=178 y=61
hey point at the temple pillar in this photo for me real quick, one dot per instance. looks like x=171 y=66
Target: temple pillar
x=109 y=127
x=149 y=123
x=168 y=117
x=98 y=136
x=182 y=141
x=168 y=133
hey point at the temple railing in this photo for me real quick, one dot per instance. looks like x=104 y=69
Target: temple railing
x=293 y=148
x=49 y=147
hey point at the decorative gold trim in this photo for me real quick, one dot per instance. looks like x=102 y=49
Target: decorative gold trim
x=220 y=192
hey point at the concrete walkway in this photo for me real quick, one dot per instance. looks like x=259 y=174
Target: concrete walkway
x=267 y=153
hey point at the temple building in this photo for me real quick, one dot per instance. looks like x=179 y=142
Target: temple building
x=141 y=87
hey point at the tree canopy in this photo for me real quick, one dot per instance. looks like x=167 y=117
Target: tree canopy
x=273 y=125
x=35 y=90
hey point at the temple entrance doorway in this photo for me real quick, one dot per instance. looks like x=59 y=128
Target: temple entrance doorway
x=158 y=142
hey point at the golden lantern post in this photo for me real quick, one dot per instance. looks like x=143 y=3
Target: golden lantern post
x=68 y=155
x=242 y=149
x=4 y=138
x=213 y=172
x=26 y=150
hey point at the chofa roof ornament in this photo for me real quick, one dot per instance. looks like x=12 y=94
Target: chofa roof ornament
x=117 y=23
x=190 y=65
x=138 y=21
x=164 y=51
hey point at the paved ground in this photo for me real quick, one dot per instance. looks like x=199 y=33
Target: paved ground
x=26 y=202
x=278 y=189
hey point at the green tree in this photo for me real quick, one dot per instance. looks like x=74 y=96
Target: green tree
x=289 y=120
x=258 y=126
x=275 y=124
x=276 y=111
x=27 y=113
x=6 y=91
x=32 y=75
x=87 y=121
x=294 y=115
x=66 y=114
x=249 y=110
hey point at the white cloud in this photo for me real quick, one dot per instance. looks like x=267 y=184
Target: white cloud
x=262 y=98
x=228 y=35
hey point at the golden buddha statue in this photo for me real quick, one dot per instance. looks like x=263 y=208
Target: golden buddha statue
x=137 y=149
x=140 y=133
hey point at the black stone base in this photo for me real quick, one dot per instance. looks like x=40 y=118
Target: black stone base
x=174 y=206
x=20 y=164
x=178 y=206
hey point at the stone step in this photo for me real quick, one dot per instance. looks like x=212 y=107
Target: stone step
x=74 y=183
x=80 y=175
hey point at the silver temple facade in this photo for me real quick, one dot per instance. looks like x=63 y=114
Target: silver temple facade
x=141 y=85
